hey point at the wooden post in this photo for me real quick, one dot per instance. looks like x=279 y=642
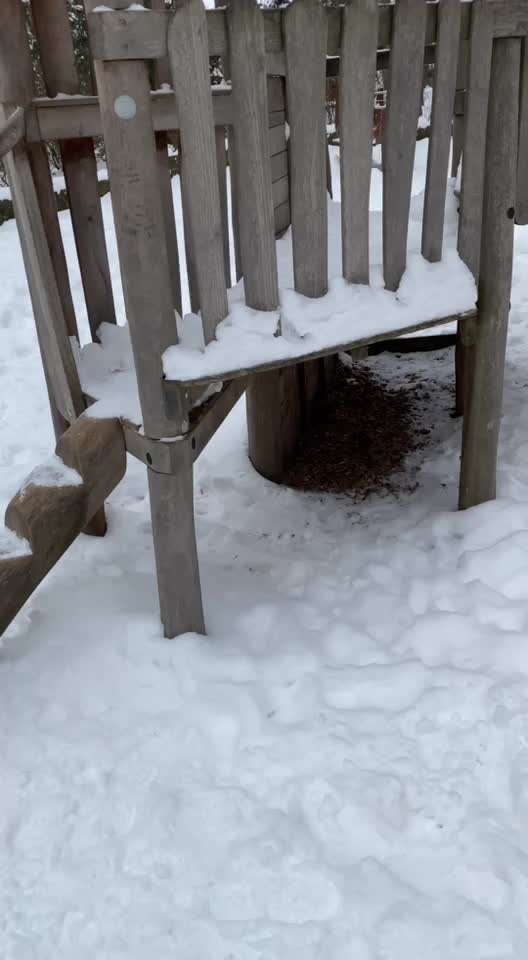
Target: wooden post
x=521 y=206
x=305 y=40
x=125 y=103
x=484 y=401
x=461 y=84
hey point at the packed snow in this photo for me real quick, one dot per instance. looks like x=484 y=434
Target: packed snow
x=339 y=771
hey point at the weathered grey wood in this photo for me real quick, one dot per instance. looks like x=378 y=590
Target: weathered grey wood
x=305 y=36
x=357 y=80
x=470 y=221
x=49 y=317
x=220 y=140
x=231 y=135
x=274 y=396
x=484 y=399
x=255 y=198
x=53 y=30
x=404 y=99
x=214 y=415
x=65 y=118
x=140 y=230
x=13 y=131
x=444 y=85
x=461 y=82
x=171 y=499
x=128 y=34
x=282 y=218
x=521 y=204
x=189 y=59
x=510 y=18
x=50 y=518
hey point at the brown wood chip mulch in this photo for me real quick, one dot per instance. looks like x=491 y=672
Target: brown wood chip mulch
x=359 y=439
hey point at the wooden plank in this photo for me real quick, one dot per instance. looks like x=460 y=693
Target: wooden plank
x=281 y=191
x=444 y=85
x=277 y=140
x=461 y=83
x=49 y=317
x=189 y=60
x=234 y=201
x=50 y=518
x=305 y=27
x=510 y=18
x=521 y=204
x=169 y=221
x=484 y=400
x=63 y=118
x=404 y=99
x=357 y=82
x=470 y=221
x=255 y=198
x=140 y=230
x=282 y=218
x=128 y=34
x=234 y=372
x=221 y=156
x=13 y=131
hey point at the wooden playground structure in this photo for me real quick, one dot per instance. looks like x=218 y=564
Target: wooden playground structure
x=151 y=69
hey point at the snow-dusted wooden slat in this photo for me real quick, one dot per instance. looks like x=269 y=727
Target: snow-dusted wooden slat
x=57 y=59
x=521 y=203
x=252 y=154
x=305 y=28
x=49 y=518
x=356 y=91
x=444 y=85
x=404 y=98
x=484 y=399
x=189 y=60
x=473 y=156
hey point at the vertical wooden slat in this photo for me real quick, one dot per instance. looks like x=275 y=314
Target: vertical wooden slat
x=404 y=99
x=521 y=205
x=189 y=60
x=473 y=157
x=255 y=200
x=220 y=140
x=231 y=134
x=305 y=38
x=447 y=38
x=461 y=83
x=484 y=401
x=161 y=74
x=357 y=81
x=57 y=57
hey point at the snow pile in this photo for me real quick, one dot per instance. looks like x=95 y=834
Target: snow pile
x=339 y=771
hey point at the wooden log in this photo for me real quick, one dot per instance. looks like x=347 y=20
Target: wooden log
x=49 y=518
x=470 y=221
x=441 y=121
x=357 y=80
x=484 y=400
x=189 y=60
x=404 y=99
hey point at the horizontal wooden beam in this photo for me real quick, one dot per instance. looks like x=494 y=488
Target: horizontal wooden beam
x=65 y=118
x=510 y=18
x=234 y=373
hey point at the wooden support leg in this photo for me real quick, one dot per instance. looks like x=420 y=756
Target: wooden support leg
x=172 y=511
x=464 y=356
x=484 y=397
x=274 y=415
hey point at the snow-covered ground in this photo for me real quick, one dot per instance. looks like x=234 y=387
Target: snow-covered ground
x=339 y=771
